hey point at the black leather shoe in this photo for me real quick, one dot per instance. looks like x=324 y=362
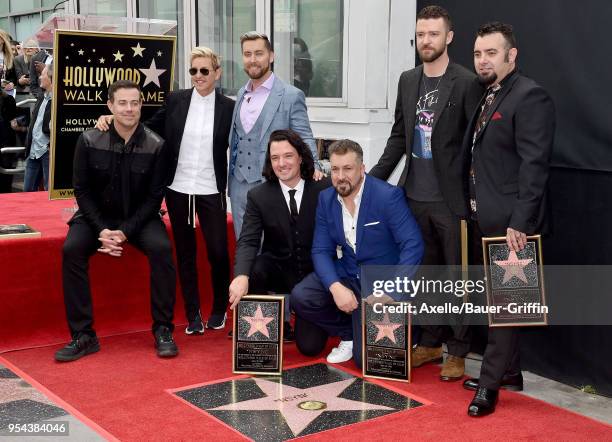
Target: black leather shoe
x=483 y=403
x=511 y=382
x=164 y=343
x=288 y=334
x=80 y=346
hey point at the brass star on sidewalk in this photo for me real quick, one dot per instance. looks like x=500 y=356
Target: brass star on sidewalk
x=301 y=406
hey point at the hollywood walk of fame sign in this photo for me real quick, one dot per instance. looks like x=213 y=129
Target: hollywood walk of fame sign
x=85 y=65
x=515 y=283
x=304 y=400
x=258 y=335
x=386 y=340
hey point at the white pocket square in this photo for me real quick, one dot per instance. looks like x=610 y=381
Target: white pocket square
x=371 y=224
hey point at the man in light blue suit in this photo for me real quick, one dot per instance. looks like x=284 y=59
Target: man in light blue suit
x=361 y=220
x=263 y=105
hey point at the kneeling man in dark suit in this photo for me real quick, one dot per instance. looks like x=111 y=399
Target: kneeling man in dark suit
x=360 y=221
x=283 y=210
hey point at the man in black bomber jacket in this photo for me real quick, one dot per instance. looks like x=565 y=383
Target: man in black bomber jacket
x=119 y=181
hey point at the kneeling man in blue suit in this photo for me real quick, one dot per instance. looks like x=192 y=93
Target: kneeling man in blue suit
x=361 y=220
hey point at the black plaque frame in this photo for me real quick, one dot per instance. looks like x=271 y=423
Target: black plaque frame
x=240 y=346
x=533 y=289
x=76 y=107
x=403 y=352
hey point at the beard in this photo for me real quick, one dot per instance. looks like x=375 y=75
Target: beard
x=487 y=80
x=345 y=187
x=435 y=54
x=263 y=71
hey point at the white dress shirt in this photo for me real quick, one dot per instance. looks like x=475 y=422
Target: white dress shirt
x=195 y=171
x=349 y=222
x=299 y=187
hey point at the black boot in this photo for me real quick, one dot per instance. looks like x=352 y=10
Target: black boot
x=164 y=343
x=483 y=403
x=81 y=345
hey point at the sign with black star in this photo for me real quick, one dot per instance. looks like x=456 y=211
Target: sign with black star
x=85 y=65
x=305 y=400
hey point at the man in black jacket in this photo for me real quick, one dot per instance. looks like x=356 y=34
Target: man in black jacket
x=38 y=137
x=119 y=182
x=196 y=124
x=510 y=138
x=282 y=209
x=434 y=104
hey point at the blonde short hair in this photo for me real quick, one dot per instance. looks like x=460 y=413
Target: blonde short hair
x=203 y=51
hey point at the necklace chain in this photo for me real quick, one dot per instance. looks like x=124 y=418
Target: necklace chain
x=425 y=84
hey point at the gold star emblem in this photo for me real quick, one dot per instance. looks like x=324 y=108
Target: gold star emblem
x=102 y=60
x=259 y=323
x=81 y=51
x=137 y=49
x=118 y=56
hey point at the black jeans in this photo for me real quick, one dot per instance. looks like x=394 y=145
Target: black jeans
x=502 y=355
x=441 y=232
x=82 y=242
x=212 y=215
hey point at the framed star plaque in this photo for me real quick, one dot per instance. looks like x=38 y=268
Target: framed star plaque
x=258 y=335
x=515 y=283
x=386 y=340
x=85 y=64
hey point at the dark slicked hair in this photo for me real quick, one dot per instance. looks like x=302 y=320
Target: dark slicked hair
x=342 y=147
x=434 y=11
x=502 y=28
x=306 y=168
x=121 y=84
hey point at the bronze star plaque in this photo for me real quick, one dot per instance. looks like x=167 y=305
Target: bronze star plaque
x=515 y=283
x=386 y=340
x=258 y=335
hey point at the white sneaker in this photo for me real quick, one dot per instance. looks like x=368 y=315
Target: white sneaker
x=342 y=353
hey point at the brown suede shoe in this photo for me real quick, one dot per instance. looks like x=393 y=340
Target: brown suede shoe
x=453 y=369
x=424 y=355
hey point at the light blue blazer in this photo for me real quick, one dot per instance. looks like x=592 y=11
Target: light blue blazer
x=285 y=108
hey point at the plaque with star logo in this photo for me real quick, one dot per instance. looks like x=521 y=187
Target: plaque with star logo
x=303 y=401
x=85 y=65
x=515 y=283
x=386 y=340
x=258 y=335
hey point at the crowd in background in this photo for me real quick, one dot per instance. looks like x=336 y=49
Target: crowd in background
x=21 y=66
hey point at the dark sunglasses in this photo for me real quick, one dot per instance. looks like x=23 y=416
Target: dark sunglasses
x=203 y=71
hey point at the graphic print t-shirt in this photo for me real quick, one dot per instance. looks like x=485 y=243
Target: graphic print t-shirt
x=421 y=182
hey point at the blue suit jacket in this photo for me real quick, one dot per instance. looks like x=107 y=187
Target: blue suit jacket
x=387 y=233
x=285 y=108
